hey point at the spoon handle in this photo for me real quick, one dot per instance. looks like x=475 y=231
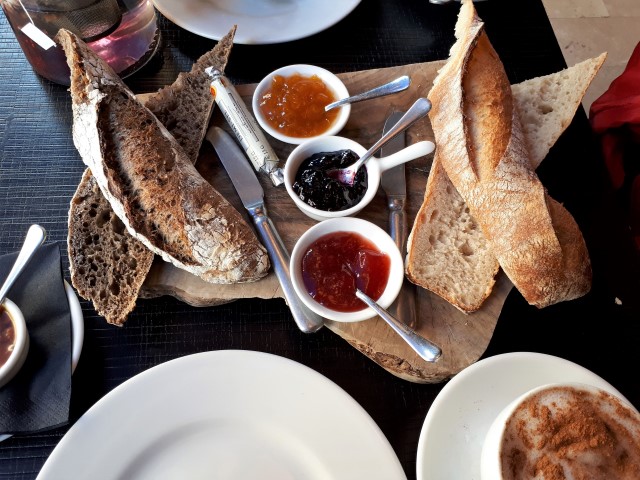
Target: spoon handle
x=397 y=85
x=418 y=110
x=35 y=237
x=423 y=347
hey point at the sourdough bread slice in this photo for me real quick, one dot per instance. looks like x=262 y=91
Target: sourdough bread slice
x=108 y=265
x=185 y=106
x=447 y=252
x=482 y=148
x=97 y=239
x=150 y=182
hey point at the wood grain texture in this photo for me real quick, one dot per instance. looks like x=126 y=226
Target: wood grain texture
x=463 y=338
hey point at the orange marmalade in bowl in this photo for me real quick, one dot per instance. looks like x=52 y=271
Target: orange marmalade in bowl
x=295 y=105
x=289 y=103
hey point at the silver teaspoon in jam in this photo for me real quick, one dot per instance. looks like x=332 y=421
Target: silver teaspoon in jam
x=397 y=85
x=347 y=175
x=427 y=350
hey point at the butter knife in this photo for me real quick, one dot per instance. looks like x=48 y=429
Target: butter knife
x=252 y=196
x=394 y=185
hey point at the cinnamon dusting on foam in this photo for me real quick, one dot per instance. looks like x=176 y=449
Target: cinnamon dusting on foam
x=566 y=433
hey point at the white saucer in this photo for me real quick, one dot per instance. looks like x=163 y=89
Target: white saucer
x=259 y=21
x=455 y=426
x=77 y=325
x=77 y=332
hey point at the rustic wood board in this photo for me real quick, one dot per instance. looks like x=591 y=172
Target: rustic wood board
x=463 y=338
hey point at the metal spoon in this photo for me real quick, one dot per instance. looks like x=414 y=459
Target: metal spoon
x=423 y=347
x=33 y=240
x=397 y=85
x=347 y=175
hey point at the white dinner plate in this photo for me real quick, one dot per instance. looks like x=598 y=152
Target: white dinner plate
x=77 y=332
x=451 y=439
x=259 y=21
x=228 y=414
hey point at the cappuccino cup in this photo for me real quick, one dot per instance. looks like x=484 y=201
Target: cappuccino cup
x=563 y=431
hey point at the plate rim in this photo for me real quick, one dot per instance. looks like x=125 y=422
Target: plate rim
x=216 y=360
x=240 y=38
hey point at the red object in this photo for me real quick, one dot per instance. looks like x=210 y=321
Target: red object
x=615 y=117
x=336 y=263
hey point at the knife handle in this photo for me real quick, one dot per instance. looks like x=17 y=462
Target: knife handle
x=404 y=307
x=397 y=222
x=307 y=320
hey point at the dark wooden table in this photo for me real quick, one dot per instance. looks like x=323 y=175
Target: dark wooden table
x=40 y=169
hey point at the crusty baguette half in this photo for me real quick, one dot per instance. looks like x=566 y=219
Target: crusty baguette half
x=107 y=265
x=150 y=182
x=447 y=252
x=482 y=148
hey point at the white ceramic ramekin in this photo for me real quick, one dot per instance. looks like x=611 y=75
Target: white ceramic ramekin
x=375 y=167
x=371 y=232
x=331 y=80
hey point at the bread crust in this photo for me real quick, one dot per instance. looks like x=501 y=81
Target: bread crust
x=150 y=182
x=472 y=103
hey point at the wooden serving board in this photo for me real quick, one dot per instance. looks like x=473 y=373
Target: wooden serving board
x=463 y=338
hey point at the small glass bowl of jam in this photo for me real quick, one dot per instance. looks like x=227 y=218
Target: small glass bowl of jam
x=289 y=103
x=14 y=341
x=334 y=257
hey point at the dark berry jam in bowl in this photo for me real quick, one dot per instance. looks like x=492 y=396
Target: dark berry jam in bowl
x=318 y=190
x=334 y=257
x=321 y=197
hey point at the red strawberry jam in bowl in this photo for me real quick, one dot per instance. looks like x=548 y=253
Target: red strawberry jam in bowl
x=336 y=256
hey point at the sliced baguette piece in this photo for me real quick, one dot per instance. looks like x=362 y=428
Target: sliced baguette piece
x=447 y=252
x=150 y=182
x=97 y=240
x=546 y=105
x=483 y=151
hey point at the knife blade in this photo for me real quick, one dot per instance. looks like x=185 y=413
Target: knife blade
x=393 y=181
x=394 y=184
x=251 y=194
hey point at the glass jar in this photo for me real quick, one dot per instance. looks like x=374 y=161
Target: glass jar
x=122 y=32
